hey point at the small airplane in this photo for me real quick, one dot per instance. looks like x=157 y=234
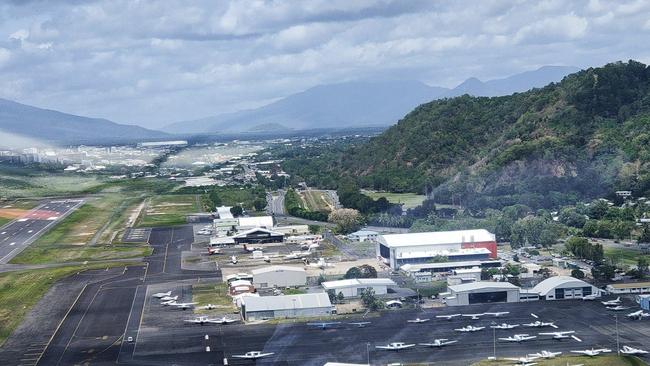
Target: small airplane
x=183 y=305
x=518 y=338
x=562 y=335
x=545 y=354
x=438 y=343
x=360 y=324
x=589 y=298
x=324 y=326
x=233 y=259
x=297 y=255
x=638 y=315
x=168 y=303
x=538 y=324
x=469 y=328
x=162 y=294
x=252 y=249
x=224 y=320
x=614 y=302
x=593 y=352
x=448 y=317
x=534 y=315
x=504 y=326
x=473 y=316
x=169 y=298
x=395 y=346
x=498 y=313
x=618 y=308
x=526 y=360
x=208 y=307
x=627 y=350
x=200 y=320
x=322 y=264
x=213 y=251
x=253 y=355
x=417 y=320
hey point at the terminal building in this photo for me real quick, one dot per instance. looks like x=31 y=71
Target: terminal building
x=286 y=306
x=422 y=249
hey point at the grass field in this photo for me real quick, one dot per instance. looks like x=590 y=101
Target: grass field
x=20 y=291
x=609 y=360
x=410 y=200
x=215 y=294
x=42 y=184
x=168 y=210
x=627 y=256
x=316 y=200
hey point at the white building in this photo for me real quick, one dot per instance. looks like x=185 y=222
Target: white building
x=246 y=223
x=354 y=287
x=224 y=212
x=287 y=306
x=292 y=229
x=363 y=235
x=628 y=288
x=564 y=287
x=481 y=292
x=464 y=275
x=279 y=276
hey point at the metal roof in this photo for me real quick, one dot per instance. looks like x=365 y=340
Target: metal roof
x=436 y=238
x=224 y=212
x=480 y=285
x=277 y=269
x=358 y=282
x=424 y=266
x=551 y=283
x=256 y=221
x=243 y=234
x=287 y=302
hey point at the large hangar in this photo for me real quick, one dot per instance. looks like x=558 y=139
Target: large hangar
x=564 y=287
x=279 y=276
x=287 y=306
x=481 y=293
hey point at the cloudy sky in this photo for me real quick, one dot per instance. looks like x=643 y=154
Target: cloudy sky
x=155 y=62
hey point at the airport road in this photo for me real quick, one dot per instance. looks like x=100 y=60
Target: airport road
x=20 y=233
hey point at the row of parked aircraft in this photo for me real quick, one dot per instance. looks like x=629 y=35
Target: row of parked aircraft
x=166 y=299
x=473 y=316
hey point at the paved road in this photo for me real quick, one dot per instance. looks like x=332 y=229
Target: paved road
x=20 y=233
x=275 y=203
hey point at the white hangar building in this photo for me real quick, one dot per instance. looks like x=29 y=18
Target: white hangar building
x=353 y=287
x=279 y=276
x=481 y=292
x=564 y=287
x=287 y=306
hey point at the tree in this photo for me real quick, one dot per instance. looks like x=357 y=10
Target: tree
x=545 y=273
x=597 y=209
x=603 y=272
x=340 y=297
x=236 y=210
x=369 y=299
x=368 y=271
x=353 y=272
x=259 y=204
x=215 y=199
x=347 y=220
x=642 y=266
x=332 y=295
x=570 y=217
x=576 y=273
x=645 y=235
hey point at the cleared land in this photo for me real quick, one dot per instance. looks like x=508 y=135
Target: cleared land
x=14 y=184
x=314 y=200
x=215 y=294
x=10 y=210
x=410 y=200
x=168 y=210
x=609 y=360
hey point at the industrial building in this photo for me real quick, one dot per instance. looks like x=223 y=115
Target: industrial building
x=363 y=235
x=355 y=286
x=480 y=293
x=279 y=276
x=447 y=267
x=292 y=229
x=258 y=236
x=397 y=250
x=245 y=223
x=464 y=275
x=628 y=288
x=287 y=306
x=564 y=287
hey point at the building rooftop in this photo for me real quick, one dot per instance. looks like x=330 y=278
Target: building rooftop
x=224 y=212
x=277 y=269
x=287 y=302
x=479 y=285
x=549 y=284
x=436 y=238
x=363 y=232
x=243 y=234
x=256 y=221
x=442 y=252
x=425 y=266
x=358 y=282
x=629 y=285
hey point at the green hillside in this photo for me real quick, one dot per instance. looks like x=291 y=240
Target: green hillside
x=585 y=136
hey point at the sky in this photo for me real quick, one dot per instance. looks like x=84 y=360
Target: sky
x=155 y=62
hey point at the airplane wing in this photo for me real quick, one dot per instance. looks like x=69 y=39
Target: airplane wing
x=534 y=316
x=576 y=338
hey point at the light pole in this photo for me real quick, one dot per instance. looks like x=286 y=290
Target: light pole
x=494 y=340
x=618 y=344
x=368 y=352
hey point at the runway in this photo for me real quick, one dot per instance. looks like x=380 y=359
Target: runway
x=20 y=233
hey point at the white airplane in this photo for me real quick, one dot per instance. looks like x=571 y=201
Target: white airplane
x=417 y=320
x=498 y=313
x=322 y=264
x=448 y=317
x=169 y=298
x=361 y=324
x=518 y=338
x=324 y=325
x=224 y=320
x=618 y=308
x=201 y=320
x=562 y=335
x=253 y=355
x=526 y=360
x=395 y=346
x=213 y=251
x=538 y=324
x=162 y=294
x=438 y=343
x=208 y=307
x=469 y=328
x=473 y=316
x=638 y=315
x=183 y=305
x=593 y=352
x=168 y=303
x=589 y=298
x=504 y=326
x=297 y=255
x=627 y=350
x=233 y=259
x=545 y=354
x=614 y=302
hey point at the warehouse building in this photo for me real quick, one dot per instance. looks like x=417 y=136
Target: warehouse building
x=363 y=235
x=245 y=223
x=258 y=236
x=481 y=293
x=397 y=250
x=564 y=287
x=279 y=276
x=628 y=288
x=287 y=306
x=355 y=286
x=292 y=229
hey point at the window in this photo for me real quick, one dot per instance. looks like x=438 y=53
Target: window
x=487 y=297
x=586 y=291
x=559 y=293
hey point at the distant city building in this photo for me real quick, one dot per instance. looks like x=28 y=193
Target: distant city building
x=163 y=143
x=624 y=193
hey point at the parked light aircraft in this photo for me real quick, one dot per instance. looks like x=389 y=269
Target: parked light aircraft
x=473 y=316
x=168 y=303
x=202 y=320
x=627 y=350
x=448 y=317
x=498 y=313
x=618 y=308
x=183 y=305
x=361 y=324
x=545 y=354
x=518 y=338
x=526 y=360
x=614 y=302
x=324 y=325
x=538 y=324
x=169 y=298
x=395 y=346
x=162 y=294
x=233 y=259
x=589 y=297
x=504 y=326
x=438 y=343
x=253 y=355
x=638 y=315
x=417 y=320
x=298 y=255
x=213 y=251
x=322 y=264
x=562 y=335
x=208 y=307
x=469 y=328
x=593 y=352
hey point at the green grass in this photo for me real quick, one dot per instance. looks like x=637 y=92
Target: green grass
x=316 y=201
x=41 y=184
x=609 y=360
x=168 y=210
x=627 y=256
x=215 y=294
x=20 y=291
x=410 y=200
x=4 y=220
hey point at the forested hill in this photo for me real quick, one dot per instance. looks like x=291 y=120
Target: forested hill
x=584 y=136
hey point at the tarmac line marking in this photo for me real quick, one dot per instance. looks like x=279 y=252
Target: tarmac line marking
x=79 y=324
x=126 y=329
x=166 y=249
x=144 y=303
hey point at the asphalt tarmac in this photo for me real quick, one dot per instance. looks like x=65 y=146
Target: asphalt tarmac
x=20 y=233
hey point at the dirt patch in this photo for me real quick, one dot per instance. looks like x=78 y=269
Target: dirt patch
x=12 y=213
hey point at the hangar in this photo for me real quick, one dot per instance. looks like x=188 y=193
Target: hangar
x=355 y=286
x=258 y=236
x=287 y=306
x=245 y=223
x=481 y=292
x=279 y=276
x=564 y=287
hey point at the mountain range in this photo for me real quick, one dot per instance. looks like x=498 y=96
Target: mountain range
x=359 y=103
